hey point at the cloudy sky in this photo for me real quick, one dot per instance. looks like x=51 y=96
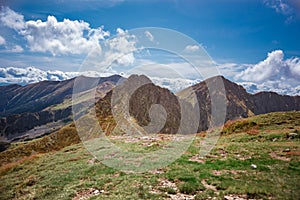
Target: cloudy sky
x=253 y=42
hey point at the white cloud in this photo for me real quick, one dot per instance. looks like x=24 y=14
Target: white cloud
x=28 y=75
x=71 y=37
x=191 y=48
x=272 y=74
x=15 y=49
x=174 y=84
x=11 y=19
x=119 y=50
x=149 y=36
x=294 y=67
x=65 y=37
x=2 y=40
x=274 y=86
x=12 y=49
x=289 y=8
x=271 y=68
x=280 y=6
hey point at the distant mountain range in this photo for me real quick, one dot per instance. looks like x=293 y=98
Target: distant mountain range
x=48 y=104
x=22 y=108
x=29 y=75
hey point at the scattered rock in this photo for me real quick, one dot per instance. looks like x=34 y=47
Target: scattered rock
x=210 y=187
x=223 y=155
x=86 y=194
x=211 y=156
x=164 y=183
x=168 y=184
x=235 y=197
x=156 y=171
x=292 y=135
x=197 y=158
x=180 y=196
x=92 y=161
x=217 y=172
x=220 y=172
x=96 y=192
x=253 y=166
x=286 y=150
x=245 y=158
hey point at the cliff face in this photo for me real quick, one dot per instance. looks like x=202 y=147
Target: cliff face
x=152 y=107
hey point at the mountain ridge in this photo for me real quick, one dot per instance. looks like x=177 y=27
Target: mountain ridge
x=17 y=99
x=231 y=99
x=239 y=104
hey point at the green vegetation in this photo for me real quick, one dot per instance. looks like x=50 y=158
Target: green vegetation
x=71 y=172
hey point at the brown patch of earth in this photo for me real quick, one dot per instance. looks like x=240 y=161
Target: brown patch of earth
x=235 y=197
x=293 y=153
x=207 y=186
x=180 y=196
x=220 y=172
x=274 y=155
x=198 y=159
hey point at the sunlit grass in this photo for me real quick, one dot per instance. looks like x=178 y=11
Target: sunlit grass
x=66 y=173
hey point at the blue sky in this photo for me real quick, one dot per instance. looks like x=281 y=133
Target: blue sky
x=236 y=30
x=237 y=34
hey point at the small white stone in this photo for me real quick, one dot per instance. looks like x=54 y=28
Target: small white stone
x=253 y=166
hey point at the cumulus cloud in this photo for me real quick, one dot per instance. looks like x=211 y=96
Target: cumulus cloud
x=149 y=36
x=28 y=75
x=2 y=40
x=294 y=67
x=71 y=37
x=65 y=37
x=271 y=68
x=272 y=74
x=120 y=49
x=191 y=48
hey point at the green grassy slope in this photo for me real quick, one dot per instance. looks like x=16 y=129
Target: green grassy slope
x=72 y=173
